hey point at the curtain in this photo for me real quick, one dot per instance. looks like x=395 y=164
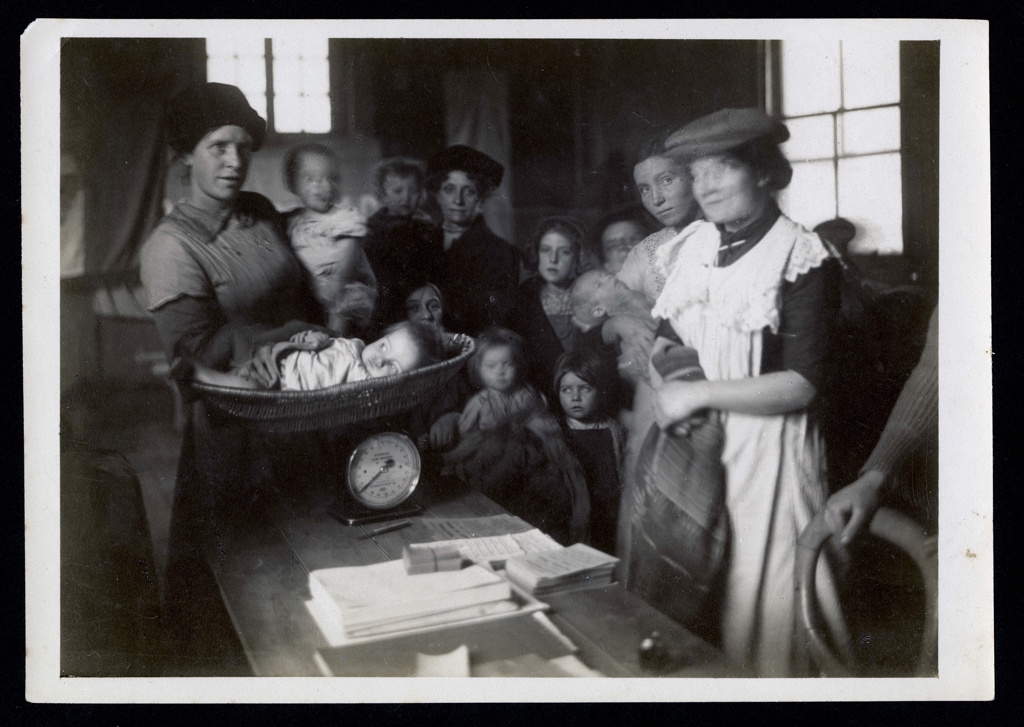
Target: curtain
x=476 y=110
x=123 y=190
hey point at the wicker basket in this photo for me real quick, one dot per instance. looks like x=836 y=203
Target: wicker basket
x=341 y=405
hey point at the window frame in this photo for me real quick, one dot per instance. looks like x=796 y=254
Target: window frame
x=292 y=137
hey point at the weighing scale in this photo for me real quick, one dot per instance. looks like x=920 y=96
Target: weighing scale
x=382 y=473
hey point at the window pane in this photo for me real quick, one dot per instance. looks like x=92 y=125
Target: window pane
x=235 y=46
x=287 y=76
x=302 y=83
x=871 y=72
x=316 y=115
x=870 y=131
x=810 y=138
x=221 y=69
x=307 y=48
x=316 y=77
x=241 y=63
x=287 y=113
x=811 y=197
x=810 y=77
x=871 y=197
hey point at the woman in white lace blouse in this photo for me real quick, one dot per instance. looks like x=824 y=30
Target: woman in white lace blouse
x=752 y=291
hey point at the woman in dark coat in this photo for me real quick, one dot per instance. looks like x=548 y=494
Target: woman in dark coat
x=479 y=271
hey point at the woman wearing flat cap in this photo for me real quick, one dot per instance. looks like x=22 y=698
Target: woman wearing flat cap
x=479 y=270
x=753 y=291
x=221 y=280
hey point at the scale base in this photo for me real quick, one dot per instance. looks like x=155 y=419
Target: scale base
x=349 y=512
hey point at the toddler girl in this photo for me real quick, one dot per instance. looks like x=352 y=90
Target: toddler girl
x=314 y=360
x=512 y=448
x=325 y=238
x=585 y=382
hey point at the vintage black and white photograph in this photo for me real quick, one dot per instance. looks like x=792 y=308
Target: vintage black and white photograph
x=508 y=350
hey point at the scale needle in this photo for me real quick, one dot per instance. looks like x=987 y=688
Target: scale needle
x=383 y=468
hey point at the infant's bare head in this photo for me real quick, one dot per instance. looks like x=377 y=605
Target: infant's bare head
x=595 y=296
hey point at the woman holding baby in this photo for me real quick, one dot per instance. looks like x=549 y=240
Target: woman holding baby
x=751 y=291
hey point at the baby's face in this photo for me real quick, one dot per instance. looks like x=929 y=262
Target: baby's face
x=394 y=353
x=401 y=195
x=498 y=369
x=317 y=182
x=606 y=288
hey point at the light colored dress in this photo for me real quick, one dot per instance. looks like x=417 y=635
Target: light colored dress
x=339 y=363
x=774 y=465
x=488 y=409
x=318 y=242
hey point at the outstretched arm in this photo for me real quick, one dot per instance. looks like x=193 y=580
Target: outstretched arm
x=766 y=395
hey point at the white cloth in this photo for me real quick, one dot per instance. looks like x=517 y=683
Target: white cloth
x=319 y=243
x=774 y=465
x=339 y=363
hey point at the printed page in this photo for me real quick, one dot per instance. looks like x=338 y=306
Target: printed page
x=475 y=527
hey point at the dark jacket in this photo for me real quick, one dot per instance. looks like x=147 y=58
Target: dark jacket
x=529 y=320
x=401 y=251
x=479 y=274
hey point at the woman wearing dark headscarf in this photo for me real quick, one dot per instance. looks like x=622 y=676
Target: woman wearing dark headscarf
x=751 y=291
x=479 y=271
x=221 y=280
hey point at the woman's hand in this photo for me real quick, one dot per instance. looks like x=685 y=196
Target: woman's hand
x=316 y=340
x=677 y=401
x=263 y=366
x=849 y=511
x=635 y=336
x=444 y=431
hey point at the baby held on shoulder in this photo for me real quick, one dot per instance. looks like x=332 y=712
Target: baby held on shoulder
x=313 y=360
x=602 y=305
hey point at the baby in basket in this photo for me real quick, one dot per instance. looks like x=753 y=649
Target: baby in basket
x=314 y=360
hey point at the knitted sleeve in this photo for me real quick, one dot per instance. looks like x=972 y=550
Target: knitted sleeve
x=916 y=413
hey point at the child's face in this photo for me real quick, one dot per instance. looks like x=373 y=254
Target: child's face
x=617 y=240
x=401 y=195
x=498 y=369
x=578 y=398
x=425 y=305
x=394 y=353
x=317 y=182
x=556 y=258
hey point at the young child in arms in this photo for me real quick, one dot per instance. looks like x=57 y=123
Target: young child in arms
x=598 y=295
x=326 y=239
x=314 y=360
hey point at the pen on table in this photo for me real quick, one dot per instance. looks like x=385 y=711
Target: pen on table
x=385 y=529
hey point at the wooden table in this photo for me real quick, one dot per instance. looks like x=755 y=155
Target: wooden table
x=263 y=567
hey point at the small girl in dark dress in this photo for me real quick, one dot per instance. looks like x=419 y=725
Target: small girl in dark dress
x=585 y=382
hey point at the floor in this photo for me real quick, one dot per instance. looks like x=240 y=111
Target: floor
x=139 y=422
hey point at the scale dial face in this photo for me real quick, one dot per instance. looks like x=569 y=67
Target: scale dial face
x=383 y=470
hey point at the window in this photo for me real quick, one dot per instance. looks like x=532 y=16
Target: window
x=841 y=102
x=286 y=80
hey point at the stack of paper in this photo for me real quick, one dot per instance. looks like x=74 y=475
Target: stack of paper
x=494 y=549
x=362 y=601
x=554 y=571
